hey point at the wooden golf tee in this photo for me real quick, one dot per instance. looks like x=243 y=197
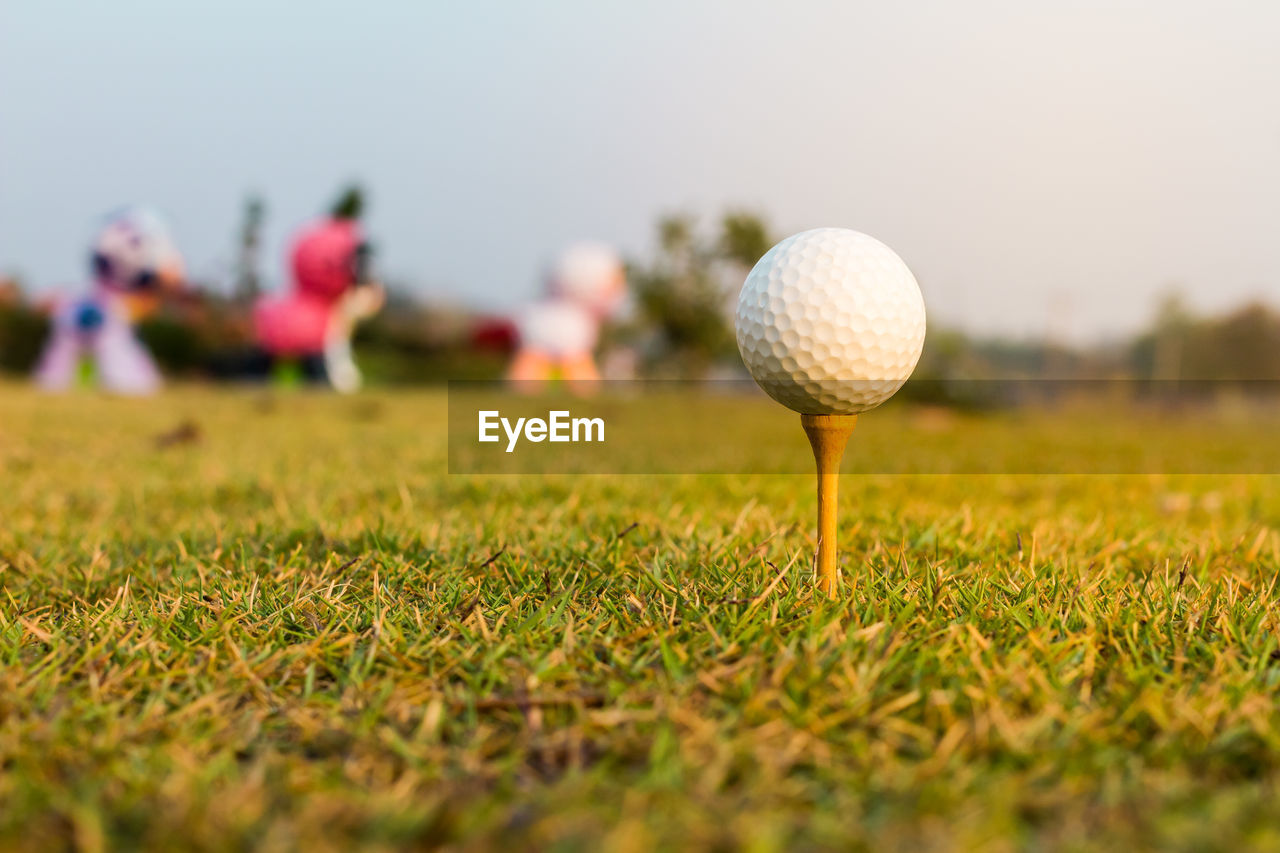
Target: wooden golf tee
x=828 y=435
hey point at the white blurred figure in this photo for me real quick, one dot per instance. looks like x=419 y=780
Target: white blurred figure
x=134 y=263
x=557 y=335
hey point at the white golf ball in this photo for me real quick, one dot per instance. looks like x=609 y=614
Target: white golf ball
x=830 y=321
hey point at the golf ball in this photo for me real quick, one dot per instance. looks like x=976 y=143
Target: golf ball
x=830 y=321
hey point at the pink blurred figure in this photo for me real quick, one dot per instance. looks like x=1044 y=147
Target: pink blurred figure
x=318 y=316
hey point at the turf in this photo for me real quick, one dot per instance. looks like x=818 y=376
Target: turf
x=229 y=621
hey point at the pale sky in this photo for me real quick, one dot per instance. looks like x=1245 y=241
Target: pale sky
x=1039 y=170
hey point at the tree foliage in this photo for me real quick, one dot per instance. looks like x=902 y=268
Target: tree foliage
x=1243 y=344
x=687 y=292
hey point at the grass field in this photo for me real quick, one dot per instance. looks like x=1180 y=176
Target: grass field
x=228 y=621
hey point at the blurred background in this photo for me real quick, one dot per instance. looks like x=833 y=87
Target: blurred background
x=1091 y=191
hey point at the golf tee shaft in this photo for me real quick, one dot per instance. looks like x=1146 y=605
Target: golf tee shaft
x=828 y=435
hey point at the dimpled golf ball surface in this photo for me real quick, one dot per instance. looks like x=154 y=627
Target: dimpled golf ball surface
x=830 y=321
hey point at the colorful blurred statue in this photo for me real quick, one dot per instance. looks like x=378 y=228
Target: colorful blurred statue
x=557 y=335
x=134 y=264
x=309 y=329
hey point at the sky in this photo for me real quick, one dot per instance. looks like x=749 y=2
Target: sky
x=1041 y=170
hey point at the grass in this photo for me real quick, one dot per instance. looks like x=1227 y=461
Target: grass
x=228 y=621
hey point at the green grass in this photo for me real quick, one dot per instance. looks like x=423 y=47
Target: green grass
x=286 y=627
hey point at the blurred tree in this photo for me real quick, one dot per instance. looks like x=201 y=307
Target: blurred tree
x=744 y=238
x=248 y=281
x=10 y=291
x=1245 y=344
x=23 y=329
x=1173 y=324
x=1242 y=345
x=687 y=293
x=1156 y=354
